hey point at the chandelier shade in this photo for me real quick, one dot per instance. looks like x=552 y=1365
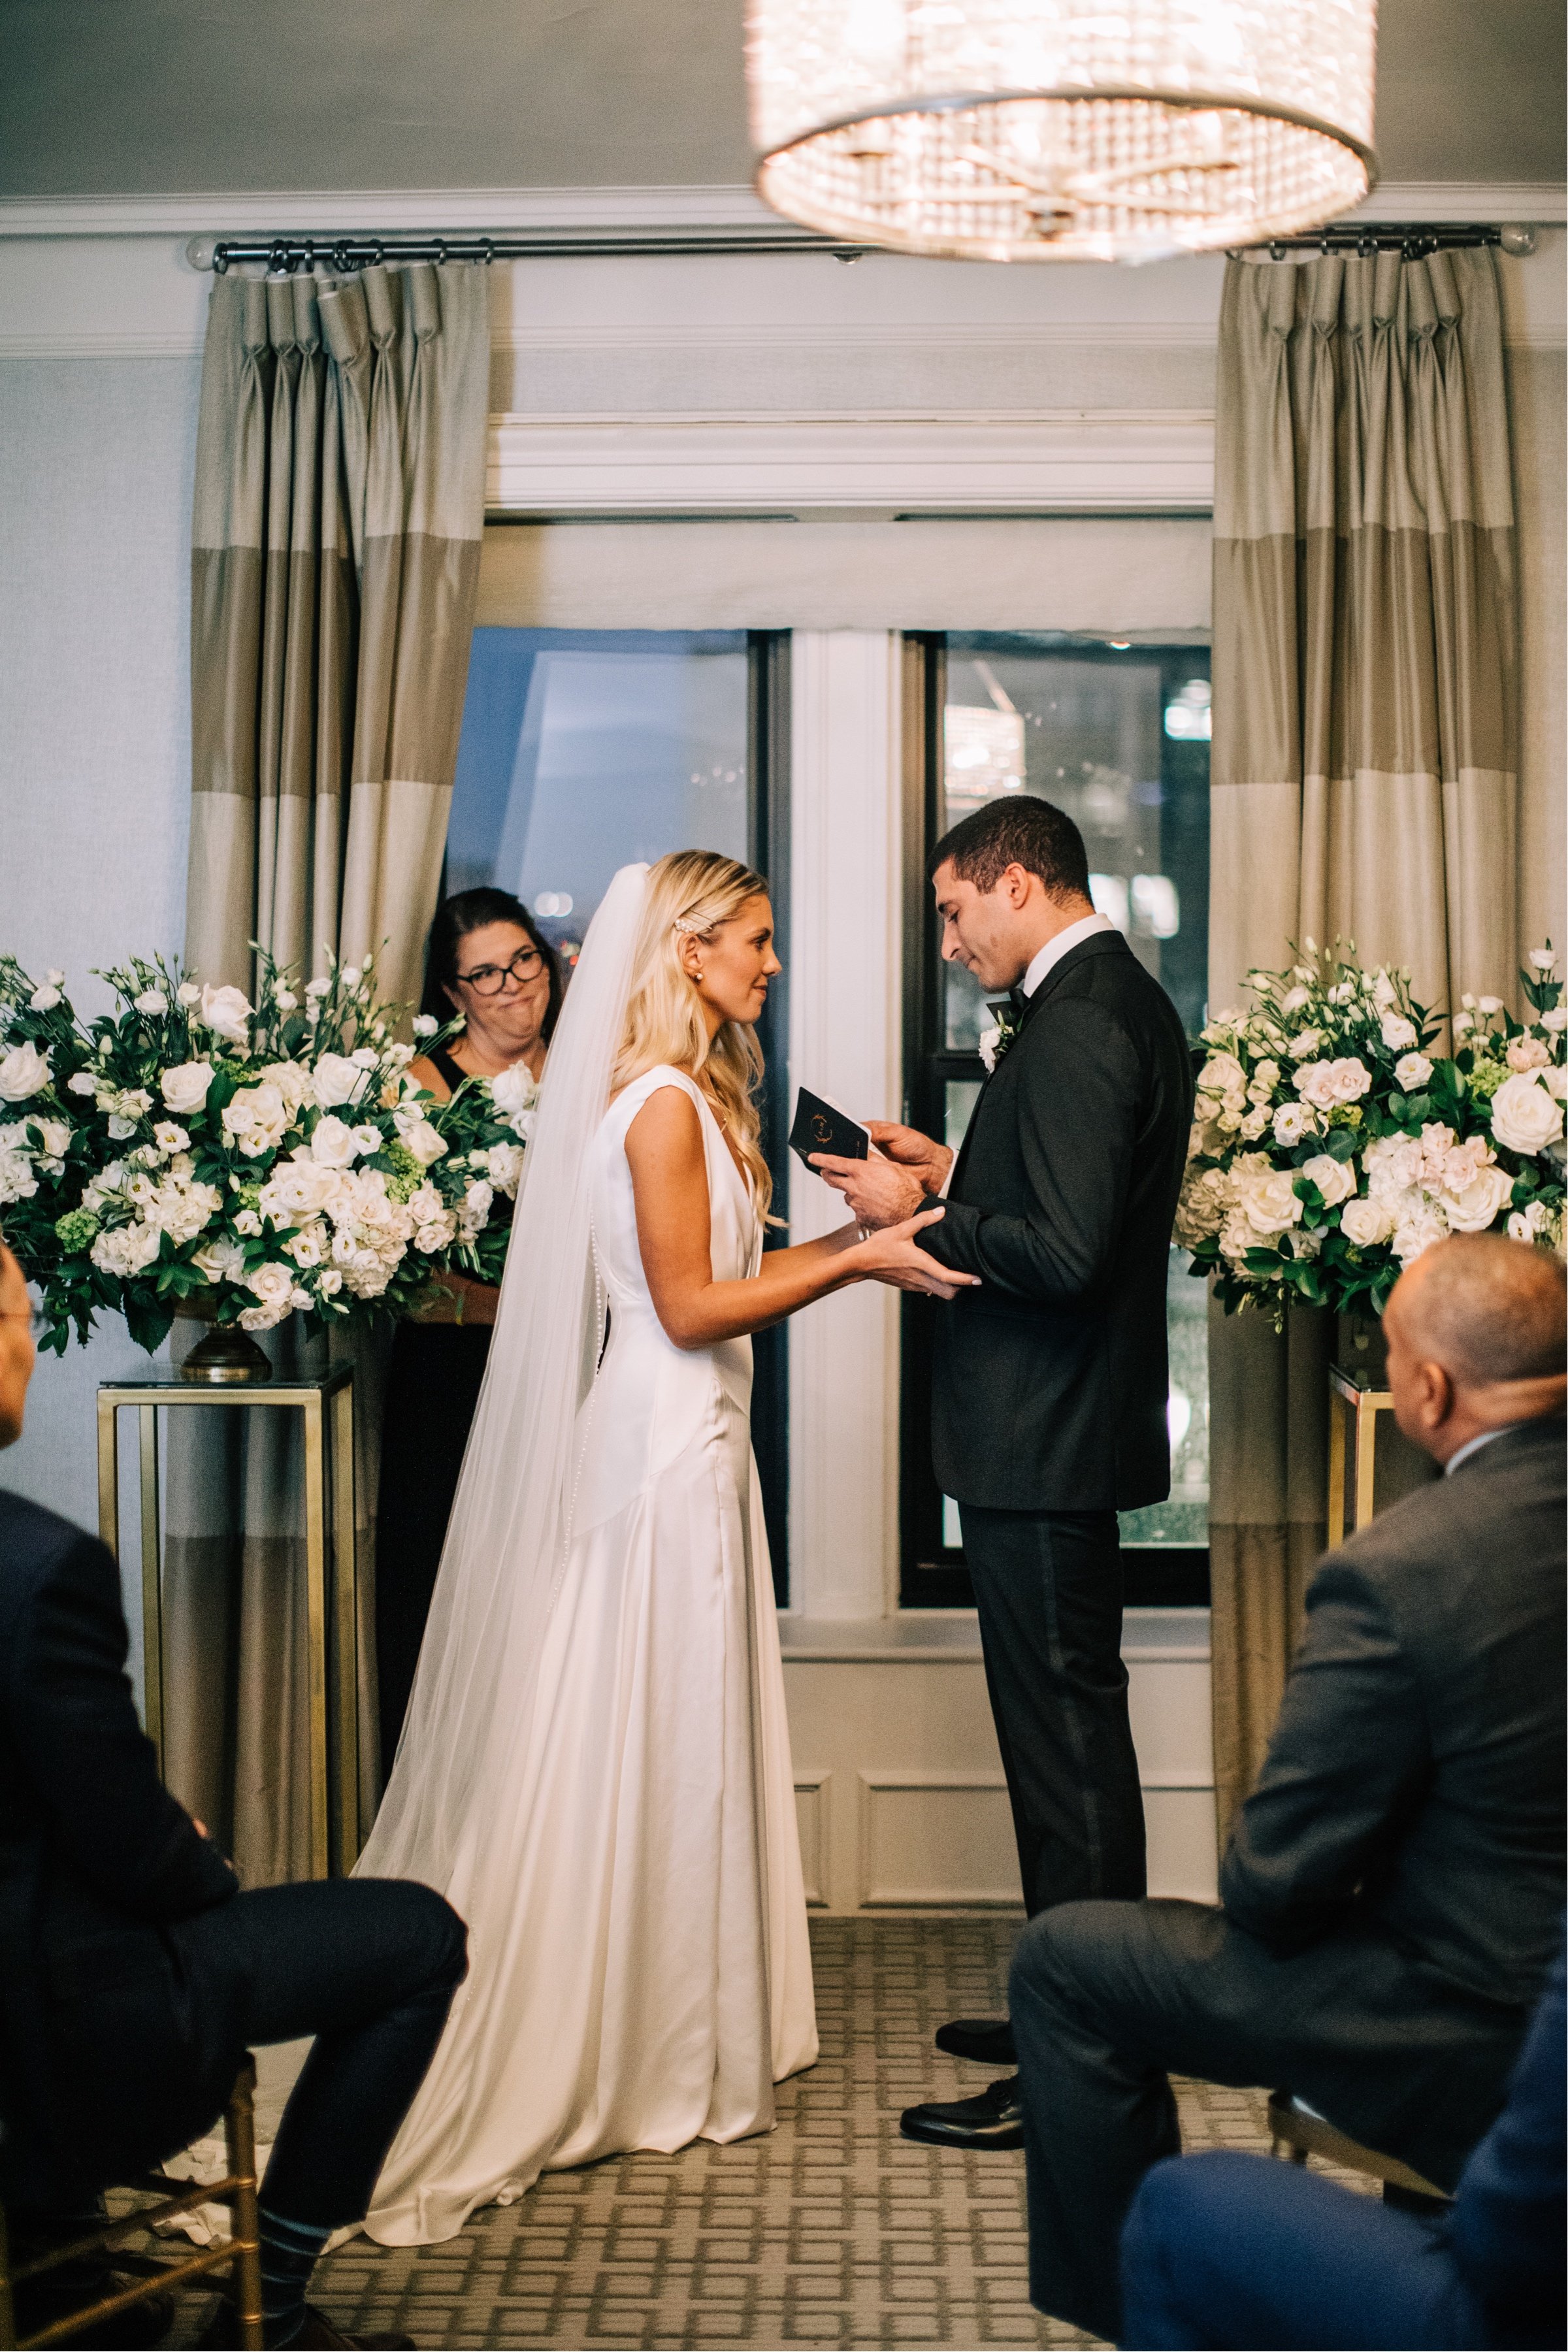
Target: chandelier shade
x=1062 y=130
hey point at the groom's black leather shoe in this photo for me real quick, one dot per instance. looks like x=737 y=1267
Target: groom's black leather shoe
x=987 y=2040
x=995 y=2119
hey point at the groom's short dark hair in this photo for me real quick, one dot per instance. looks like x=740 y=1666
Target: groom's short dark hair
x=1016 y=830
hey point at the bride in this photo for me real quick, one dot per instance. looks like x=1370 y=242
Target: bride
x=595 y=1766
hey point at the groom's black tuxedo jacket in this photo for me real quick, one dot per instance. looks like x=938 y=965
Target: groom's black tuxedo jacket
x=97 y=1864
x=1051 y=1380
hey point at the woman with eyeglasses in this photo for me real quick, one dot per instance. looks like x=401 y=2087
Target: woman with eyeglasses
x=488 y=962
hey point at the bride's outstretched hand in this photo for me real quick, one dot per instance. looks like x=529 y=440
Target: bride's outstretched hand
x=893 y=1255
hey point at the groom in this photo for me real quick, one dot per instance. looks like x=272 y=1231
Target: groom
x=1048 y=1401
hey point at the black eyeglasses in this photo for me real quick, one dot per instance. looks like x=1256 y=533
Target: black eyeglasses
x=489 y=979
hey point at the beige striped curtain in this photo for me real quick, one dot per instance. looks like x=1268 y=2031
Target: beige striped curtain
x=335 y=549
x=1363 y=776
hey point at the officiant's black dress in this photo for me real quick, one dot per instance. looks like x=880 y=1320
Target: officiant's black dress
x=433 y=1389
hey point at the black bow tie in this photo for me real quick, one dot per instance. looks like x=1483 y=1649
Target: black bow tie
x=1019 y=1003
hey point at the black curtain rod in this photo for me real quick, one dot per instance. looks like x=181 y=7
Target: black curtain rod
x=362 y=252
x=1413 y=239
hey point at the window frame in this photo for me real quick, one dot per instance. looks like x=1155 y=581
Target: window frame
x=933 y=1575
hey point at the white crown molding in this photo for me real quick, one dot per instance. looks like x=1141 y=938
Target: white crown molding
x=871 y=334
x=767 y=462
x=670 y=209
x=257 y=213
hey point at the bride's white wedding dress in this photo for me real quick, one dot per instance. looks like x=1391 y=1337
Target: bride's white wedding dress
x=640 y=1973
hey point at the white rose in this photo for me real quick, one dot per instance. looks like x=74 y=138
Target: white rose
x=1335 y=1179
x=126 y=1250
x=120 y=1127
x=1222 y=1077
x=270 y=1283
x=44 y=1000
x=515 y=1090
x=1352 y=1079
x=1316 y=1083
x=424 y=1142
x=1385 y=994
x=188 y=992
x=1488 y=1004
x=1299 y=1047
x=1411 y=1073
x=425 y=1205
x=1555 y=1081
x=1524 y=1115
x=1294 y=1001
x=1542 y=959
x=1528 y=1053
x=1398 y=1034
x=1268 y=1200
x=301 y=1189
x=336 y=1080
x=152 y=1001
x=426 y=1025
x=1264 y=1078
x=503 y=1164
x=433 y=1237
x=226 y=1012
x=350 y=975
x=1480 y=1204
x=333 y=1144
x=1463 y=1023
x=54 y=1136
x=328 y=1282
x=364 y=1058
x=1366 y=1222
x=285 y=1000
x=84 y=1083
x=184 y=1087
x=221 y=1260
x=1419 y=1233
x=1555 y=1019
x=1293 y=1122
x=1253 y=1125
x=24 y=1071
x=478 y=1201
x=257 y=1119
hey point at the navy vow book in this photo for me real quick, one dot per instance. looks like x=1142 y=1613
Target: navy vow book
x=821 y=1126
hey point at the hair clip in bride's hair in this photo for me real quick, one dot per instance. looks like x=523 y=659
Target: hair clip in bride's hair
x=684 y=923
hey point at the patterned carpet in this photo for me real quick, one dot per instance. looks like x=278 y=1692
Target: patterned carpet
x=832 y=2231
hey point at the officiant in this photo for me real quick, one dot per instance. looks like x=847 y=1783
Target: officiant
x=1049 y=1394
x=488 y=961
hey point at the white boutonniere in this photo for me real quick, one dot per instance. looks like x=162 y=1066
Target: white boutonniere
x=994 y=1041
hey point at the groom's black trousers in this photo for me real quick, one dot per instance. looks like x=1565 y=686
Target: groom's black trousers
x=1048 y=1586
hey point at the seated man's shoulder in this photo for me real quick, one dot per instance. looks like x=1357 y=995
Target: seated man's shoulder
x=34 y=1542
x=1459 y=1538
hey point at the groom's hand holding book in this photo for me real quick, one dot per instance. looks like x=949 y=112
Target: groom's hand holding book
x=904 y=1174
x=902 y=1207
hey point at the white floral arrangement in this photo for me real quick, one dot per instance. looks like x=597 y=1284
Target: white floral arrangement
x=192 y=1151
x=1333 y=1143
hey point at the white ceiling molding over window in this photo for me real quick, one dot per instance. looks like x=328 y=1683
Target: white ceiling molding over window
x=772 y=463
x=1136 y=576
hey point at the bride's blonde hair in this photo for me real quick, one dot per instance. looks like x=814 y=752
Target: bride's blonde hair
x=690 y=894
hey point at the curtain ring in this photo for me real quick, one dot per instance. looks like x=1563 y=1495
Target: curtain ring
x=439 y=250
x=486 y=253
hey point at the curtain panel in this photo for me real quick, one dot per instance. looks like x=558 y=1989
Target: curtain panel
x=335 y=552
x=1364 y=777
x=335 y=564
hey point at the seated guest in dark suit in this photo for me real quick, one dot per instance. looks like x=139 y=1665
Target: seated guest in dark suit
x=1227 y=2250
x=1392 y=1897
x=133 y=1974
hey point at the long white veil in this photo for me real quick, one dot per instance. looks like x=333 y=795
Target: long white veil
x=470 y=1714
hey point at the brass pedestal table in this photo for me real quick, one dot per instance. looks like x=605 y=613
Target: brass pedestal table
x=326 y=1401
x=1353 y=1408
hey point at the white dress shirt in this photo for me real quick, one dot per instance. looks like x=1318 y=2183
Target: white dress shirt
x=1475 y=1446
x=1051 y=954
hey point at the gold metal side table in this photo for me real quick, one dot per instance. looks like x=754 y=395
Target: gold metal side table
x=326 y=1401
x=1353 y=1442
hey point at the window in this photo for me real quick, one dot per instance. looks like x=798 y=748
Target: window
x=585 y=750
x=1117 y=733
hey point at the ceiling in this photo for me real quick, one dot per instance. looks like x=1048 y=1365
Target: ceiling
x=164 y=97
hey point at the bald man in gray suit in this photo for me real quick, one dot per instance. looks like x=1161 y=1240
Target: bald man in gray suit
x=1392 y=1898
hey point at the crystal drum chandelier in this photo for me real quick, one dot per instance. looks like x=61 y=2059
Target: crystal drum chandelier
x=1062 y=130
